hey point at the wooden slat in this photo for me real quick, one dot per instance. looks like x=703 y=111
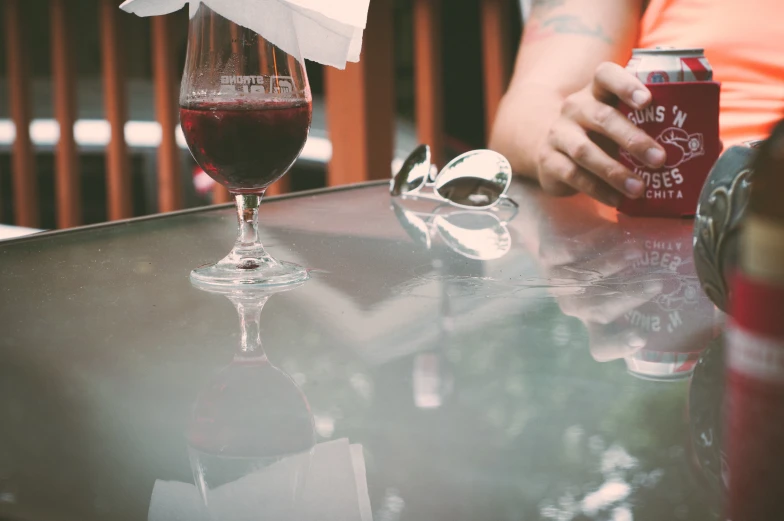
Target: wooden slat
x=495 y=55
x=23 y=157
x=118 y=181
x=68 y=183
x=427 y=72
x=166 y=83
x=360 y=105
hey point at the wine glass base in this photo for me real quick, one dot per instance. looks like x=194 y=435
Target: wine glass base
x=274 y=273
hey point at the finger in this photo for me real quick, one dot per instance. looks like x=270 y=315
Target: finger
x=605 y=120
x=584 y=257
x=558 y=168
x=604 y=301
x=551 y=185
x=572 y=141
x=575 y=245
x=609 y=265
x=612 y=81
x=608 y=342
x=598 y=305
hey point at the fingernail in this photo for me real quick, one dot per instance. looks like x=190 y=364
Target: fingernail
x=634 y=341
x=640 y=97
x=633 y=186
x=655 y=157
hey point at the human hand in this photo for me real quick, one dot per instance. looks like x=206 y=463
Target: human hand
x=596 y=285
x=574 y=155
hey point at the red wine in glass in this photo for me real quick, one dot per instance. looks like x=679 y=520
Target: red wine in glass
x=246 y=146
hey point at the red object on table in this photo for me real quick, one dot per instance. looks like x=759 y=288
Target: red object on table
x=755 y=402
x=684 y=119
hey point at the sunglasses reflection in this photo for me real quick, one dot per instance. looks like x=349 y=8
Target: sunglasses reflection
x=631 y=282
x=478 y=235
x=251 y=442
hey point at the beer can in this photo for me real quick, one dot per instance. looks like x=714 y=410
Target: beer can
x=665 y=65
x=683 y=118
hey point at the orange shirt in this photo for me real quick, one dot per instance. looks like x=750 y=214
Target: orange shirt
x=743 y=41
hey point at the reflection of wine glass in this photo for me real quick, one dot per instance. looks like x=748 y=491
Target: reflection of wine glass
x=251 y=426
x=245 y=112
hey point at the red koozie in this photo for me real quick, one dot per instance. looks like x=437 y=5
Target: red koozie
x=755 y=403
x=684 y=119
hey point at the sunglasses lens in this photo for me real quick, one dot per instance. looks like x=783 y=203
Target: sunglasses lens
x=475 y=179
x=476 y=235
x=414 y=226
x=413 y=173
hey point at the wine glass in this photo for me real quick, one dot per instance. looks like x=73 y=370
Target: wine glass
x=245 y=110
x=251 y=435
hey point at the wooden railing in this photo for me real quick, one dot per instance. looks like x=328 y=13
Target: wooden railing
x=118 y=180
x=360 y=103
x=22 y=156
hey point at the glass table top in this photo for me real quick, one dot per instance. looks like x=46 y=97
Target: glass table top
x=556 y=362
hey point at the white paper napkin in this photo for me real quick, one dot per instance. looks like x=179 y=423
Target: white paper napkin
x=327 y=31
x=335 y=490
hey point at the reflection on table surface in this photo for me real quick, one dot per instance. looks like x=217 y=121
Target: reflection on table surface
x=251 y=442
x=533 y=365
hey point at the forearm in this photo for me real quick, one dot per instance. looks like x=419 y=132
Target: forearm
x=563 y=43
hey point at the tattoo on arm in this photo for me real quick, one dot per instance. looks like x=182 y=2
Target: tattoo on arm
x=570 y=24
x=546 y=5
x=544 y=20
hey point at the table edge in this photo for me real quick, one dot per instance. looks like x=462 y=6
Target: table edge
x=212 y=207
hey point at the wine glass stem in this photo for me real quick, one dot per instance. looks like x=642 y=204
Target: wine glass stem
x=250 y=326
x=248 y=252
x=248 y=216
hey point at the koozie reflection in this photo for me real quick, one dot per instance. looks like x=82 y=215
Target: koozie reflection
x=630 y=281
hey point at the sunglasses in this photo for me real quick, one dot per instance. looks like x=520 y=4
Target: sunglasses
x=476 y=179
x=470 y=233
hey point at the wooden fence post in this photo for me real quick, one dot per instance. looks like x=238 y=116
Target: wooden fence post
x=118 y=181
x=166 y=89
x=360 y=105
x=23 y=158
x=68 y=179
x=496 y=58
x=428 y=83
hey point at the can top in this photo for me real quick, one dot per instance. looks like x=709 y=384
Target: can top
x=669 y=51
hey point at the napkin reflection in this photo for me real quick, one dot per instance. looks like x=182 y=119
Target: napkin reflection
x=335 y=490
